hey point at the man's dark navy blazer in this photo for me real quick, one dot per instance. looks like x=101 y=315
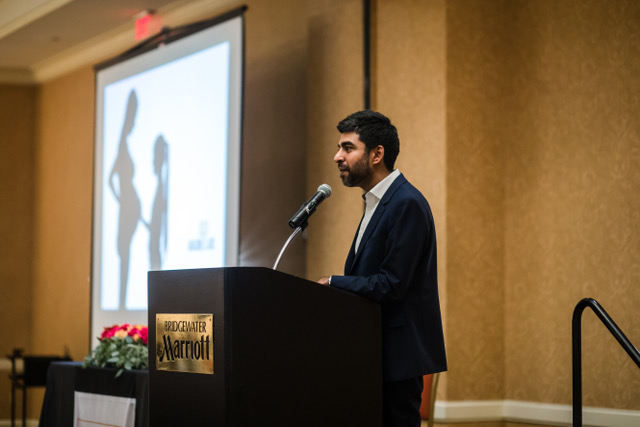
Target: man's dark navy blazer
x=396 y=266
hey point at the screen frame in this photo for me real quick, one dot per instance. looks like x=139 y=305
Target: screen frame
x=234 y=155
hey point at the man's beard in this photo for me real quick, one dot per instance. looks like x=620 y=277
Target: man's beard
x=357 y=172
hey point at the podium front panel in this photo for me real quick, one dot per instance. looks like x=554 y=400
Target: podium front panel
x=174 y=395
x=287 y=352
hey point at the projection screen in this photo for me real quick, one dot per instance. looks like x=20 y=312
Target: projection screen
x=167 y=167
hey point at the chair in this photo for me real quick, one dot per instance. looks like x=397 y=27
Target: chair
x=427 y=407
x=34 y=374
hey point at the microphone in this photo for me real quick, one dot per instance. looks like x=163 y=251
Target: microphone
x=299 y=219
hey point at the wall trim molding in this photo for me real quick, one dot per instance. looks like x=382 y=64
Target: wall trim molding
x=511 y=410
x=531 y=412
x=17 y=77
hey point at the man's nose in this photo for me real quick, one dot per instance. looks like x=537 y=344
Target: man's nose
x=338 y=157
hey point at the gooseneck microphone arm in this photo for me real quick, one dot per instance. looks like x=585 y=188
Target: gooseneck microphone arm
x=293 y=235
x=300 y=220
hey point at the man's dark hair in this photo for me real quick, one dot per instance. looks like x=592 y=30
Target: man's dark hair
x=374 y=129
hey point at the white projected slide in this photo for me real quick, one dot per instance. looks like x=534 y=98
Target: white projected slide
x=167 y=168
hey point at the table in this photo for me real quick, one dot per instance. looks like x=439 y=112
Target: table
x=65 y=378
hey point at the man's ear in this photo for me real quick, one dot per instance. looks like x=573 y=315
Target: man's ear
x=377 y=155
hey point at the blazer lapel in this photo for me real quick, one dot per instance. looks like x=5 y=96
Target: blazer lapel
x=353 y=257
x=348 y=265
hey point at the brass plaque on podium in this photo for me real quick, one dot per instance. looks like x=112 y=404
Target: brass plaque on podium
x=184 y=343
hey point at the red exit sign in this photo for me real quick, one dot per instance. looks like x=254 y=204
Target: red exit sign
x=147 y=24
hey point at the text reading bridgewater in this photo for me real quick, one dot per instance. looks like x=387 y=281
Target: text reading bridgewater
x=184 y=342
x=185 y=326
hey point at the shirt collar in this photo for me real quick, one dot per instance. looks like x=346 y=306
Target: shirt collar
x=382 y=187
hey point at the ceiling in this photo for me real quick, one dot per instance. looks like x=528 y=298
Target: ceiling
x=36 y=36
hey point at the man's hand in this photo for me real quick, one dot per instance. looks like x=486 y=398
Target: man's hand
x=324 y=281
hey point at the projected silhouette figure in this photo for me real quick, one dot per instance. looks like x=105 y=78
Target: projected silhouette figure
x=158 y=224
x=126 y=195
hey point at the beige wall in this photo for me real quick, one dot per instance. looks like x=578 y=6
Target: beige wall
x=17 y=166
x=572 y=151
x=274 y=150
x=62 y=220
x=475 y=196
x=62 y=252
x=519 y=121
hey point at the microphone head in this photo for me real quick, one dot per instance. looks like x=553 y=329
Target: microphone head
x=325 y=189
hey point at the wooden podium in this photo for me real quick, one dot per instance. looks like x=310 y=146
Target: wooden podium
x=285 y=351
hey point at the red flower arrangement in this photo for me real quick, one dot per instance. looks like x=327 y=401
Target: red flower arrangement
x=136 y=332
x=121 y=347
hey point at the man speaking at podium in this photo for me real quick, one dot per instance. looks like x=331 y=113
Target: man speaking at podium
x=392 y=261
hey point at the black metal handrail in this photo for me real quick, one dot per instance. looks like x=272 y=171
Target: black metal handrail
x=576 y=334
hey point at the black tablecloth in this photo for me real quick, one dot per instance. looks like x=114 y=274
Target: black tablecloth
x=64 y=378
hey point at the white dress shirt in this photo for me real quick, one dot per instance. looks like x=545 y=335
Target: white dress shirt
x=372 y=199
